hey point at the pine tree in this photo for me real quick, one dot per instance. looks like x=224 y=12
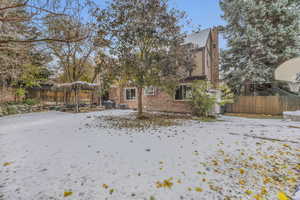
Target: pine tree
x=261 y=35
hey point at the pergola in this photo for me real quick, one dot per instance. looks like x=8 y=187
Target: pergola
x=76 y=87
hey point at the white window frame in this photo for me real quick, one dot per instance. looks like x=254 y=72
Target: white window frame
x=152 y=89
x=125 y=94
x=186 y=98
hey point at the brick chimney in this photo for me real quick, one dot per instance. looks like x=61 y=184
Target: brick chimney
x=215 y=56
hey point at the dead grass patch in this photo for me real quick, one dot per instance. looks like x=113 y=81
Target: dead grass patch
x=148 y=120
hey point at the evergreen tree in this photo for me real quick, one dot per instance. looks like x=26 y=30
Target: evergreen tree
x=261 y=35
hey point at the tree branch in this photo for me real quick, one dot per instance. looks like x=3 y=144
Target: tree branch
x=71 y=40
x=15 y=6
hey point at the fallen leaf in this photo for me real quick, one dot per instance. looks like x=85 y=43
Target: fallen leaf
x=242 y=182
x=105 y=186
x=7 y=164
x=248 y=192
x=111 y=191
x=282 y=196
x=242 y=171
x=68 y=193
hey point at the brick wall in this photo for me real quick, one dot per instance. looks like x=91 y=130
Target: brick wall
x=161 y=101
x=7 y=94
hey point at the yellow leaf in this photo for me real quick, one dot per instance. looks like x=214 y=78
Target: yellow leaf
x=282 y=196
x=242 y=171
x=198 y=189
x=215 y=162
x=111 y=191
x=248 y=192
x=168 y=183
x=68 y=193
x=105 y=186
x=7 y=164
x=267 y=180
x=264 y=191
x=165 y=184
x=242 y=182
x=257 y=197
x=286 y=145
x=292 y=180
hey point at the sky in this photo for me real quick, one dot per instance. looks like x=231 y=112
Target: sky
x=206 y=13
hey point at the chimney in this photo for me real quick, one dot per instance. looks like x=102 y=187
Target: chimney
x=215 y=56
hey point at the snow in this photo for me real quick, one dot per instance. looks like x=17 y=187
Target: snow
x=42 y=155
x=295 y=113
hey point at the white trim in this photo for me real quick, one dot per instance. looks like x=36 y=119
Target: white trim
x=125 y=97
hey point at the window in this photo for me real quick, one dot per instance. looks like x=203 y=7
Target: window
x=149 y=91
x=183 y=92
x=130 y=94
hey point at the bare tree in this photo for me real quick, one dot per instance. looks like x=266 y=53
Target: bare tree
x=33 y=13
x=30 y=24
x=74 y=57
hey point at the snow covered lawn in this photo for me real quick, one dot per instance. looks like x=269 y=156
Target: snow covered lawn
x=55 y=155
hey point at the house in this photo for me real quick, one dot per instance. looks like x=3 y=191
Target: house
x=289 y=72
x=205 y=45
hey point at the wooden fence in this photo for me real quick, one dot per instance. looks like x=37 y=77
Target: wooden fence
x=45 y=96
x=59 y=97
x=270 y=105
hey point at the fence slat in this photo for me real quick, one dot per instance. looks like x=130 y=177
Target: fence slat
x=271 y=105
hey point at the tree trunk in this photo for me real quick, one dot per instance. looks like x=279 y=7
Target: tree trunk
x=140 y=103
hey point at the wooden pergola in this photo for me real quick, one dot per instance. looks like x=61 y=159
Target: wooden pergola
x=76 y=87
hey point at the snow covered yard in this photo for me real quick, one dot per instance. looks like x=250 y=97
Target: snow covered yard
x=55 y=155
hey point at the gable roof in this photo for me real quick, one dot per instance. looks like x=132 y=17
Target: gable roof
x=199 y=39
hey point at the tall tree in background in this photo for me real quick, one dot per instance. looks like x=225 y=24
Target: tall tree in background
x=261 y=35
x=145 y=38
x=73 y=58
x=33 y=13
x=23 y=32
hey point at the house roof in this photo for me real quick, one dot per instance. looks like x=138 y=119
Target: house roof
x=289 y=71
x=199 y=39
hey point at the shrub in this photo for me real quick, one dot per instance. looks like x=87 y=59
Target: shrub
x=20 y=92
x=227 y=95
x=31 y=102
x=200 y=99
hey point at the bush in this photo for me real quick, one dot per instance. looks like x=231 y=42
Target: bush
x=31 y=102
x=201 y=100
x=20 y=92
x=12 y=109
x=227 y=95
